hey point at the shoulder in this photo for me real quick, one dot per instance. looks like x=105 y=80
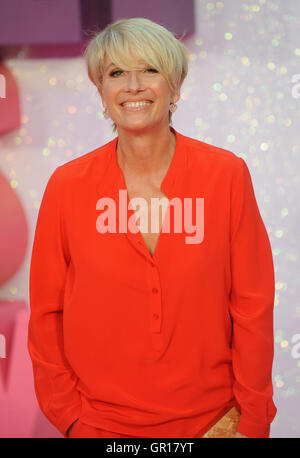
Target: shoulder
x=199 y=149
x=84 y=166
x=99 y=155
x=211 y=157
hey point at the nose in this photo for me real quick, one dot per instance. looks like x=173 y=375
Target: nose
x=133 y=81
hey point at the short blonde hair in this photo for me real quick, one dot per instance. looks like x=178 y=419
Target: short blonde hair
x=148 y=41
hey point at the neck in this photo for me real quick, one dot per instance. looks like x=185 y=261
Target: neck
x=146 y=154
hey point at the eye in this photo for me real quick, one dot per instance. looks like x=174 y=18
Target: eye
x=118 y=71
x=113 y=73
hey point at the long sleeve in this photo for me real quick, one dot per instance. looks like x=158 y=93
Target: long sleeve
x=54 y=380
x=251 y=309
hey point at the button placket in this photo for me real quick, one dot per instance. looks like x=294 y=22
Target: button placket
x=155 y=312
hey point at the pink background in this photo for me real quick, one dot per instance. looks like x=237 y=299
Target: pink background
x=238 y=95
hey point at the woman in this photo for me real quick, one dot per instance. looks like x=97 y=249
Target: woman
x=137 y=327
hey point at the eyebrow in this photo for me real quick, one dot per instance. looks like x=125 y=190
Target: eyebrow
x=110 y=65
x=113 y=65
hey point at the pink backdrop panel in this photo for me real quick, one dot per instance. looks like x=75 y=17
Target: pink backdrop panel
x=20 y=413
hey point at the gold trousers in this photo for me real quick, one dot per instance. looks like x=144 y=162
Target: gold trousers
x=226 y=427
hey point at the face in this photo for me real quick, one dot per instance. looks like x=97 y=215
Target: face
x=146 y=84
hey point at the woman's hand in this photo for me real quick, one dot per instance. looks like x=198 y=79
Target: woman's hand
x=237 y=434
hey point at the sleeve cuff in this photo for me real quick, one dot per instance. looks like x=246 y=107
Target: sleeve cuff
x=254 y=430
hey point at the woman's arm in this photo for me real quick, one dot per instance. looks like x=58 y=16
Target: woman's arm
x=55 y=382
x=251 y=308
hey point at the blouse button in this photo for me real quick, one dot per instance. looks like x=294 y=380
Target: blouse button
x=155 y=316
x=154 y=290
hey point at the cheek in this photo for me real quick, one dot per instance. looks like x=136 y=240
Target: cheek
x=110 y=93
x=161 y=94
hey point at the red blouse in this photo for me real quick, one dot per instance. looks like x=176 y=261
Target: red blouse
x=162 y=345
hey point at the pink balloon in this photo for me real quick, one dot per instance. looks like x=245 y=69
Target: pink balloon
x=13 y=231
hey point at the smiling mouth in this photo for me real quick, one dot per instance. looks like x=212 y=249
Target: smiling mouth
x=138 y=107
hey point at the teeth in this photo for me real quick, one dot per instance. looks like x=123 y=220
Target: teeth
x=135 y=104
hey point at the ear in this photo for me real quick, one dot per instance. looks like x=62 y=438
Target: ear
x=99 y=89
x=176 y=95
